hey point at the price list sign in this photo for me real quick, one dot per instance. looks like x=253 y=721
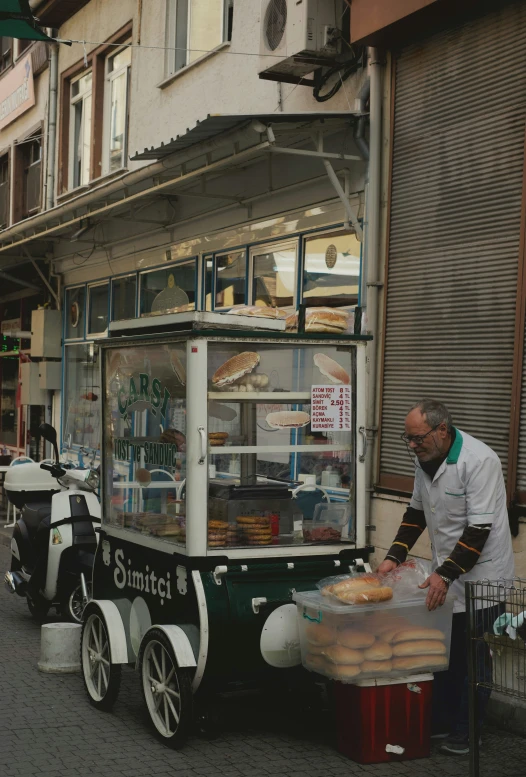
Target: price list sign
x=331 y=409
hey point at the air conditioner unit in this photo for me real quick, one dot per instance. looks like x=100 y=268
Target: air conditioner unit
x=297 y=37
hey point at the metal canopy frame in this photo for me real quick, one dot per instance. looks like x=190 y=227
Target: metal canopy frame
x=186 y=167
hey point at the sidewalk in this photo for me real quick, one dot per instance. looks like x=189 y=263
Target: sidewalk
x=50 y=730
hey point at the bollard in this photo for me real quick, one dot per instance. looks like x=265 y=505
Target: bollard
x=60 y=648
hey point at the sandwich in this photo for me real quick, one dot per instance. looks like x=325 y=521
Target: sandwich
x=331 y=369
x=234 y=368
x=288 y=419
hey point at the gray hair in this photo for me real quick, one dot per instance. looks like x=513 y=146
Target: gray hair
x=435 y=412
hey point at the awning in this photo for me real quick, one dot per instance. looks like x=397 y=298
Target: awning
x=17 y=21
x=199 y=164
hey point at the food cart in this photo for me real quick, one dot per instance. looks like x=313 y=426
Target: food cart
x=219 y=431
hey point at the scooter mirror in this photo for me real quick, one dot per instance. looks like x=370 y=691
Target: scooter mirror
x=49 y=433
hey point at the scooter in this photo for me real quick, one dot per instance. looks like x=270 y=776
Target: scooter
x=54 y=540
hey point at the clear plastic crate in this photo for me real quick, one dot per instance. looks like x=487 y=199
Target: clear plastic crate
x=386 y=640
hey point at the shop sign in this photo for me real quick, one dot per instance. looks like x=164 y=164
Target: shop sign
x=160 y=454
x=17 y=92
x=10 y=325
x=331 y=409
x=141 y=394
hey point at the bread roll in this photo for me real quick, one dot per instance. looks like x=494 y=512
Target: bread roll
x=355 y=639
x=315 y=662
x=419 y=662
x=344 y=671
x=353 y=584
x=380 y=651
x=376 y=668
x=288 y=419
x=389 y=634
x=366 y=596
x=417 y=633
x=315 y=650
x=419 y=647
x=338 y=654
x=319 y=634
x=331 y=369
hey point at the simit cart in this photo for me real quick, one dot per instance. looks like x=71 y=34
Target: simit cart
x=217 y=440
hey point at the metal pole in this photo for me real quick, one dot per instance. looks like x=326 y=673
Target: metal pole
x=472 y=680
x=52 y=127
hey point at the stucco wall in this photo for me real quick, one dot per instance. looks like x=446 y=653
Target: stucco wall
x=225 y=83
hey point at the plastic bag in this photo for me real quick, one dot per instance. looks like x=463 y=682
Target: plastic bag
x=405 y=579
x=366 y=588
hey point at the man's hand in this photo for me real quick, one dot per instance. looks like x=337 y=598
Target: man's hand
x=436 y=596
x=386 y=566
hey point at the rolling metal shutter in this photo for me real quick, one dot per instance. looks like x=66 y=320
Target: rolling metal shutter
x=460 y=107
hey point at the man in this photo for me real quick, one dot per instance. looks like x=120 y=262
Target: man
x=459 y=495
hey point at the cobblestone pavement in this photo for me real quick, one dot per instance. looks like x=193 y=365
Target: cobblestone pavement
x=49 y=730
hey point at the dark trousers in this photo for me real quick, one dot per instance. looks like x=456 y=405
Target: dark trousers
x=450 y=688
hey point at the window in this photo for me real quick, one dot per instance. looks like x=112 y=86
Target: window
x=230 y=272
x=195 y=27
x=22 y=46
x=4 y=191
x=75 y=312
x=116 y=113
x=332 y=270
x=6 y=53
x=124 y=292
x=82 y=396
x=274 y=275
x=169 y=289
x=80 y=130
x=32 y=160
x=209 y=282
x=98 y=309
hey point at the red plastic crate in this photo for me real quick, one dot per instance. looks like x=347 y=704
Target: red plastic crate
x=373 y=714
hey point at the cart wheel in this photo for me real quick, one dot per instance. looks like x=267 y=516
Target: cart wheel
x=167 y=690
x=102 y=679
x=38 y=608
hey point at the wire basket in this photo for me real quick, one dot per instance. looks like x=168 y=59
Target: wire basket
x=496 y=626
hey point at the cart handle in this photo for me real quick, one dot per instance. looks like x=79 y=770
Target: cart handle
x=202 y=457
x=310 y=618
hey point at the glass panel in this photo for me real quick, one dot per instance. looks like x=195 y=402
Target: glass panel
x=284 y=412
x=209 y=281
x=274 y=277
x=119 y=88
x=332 y=270
x=124 y=298
x=121 y=59
x=230 y=279
x=8 y=411
x=144 y=458
x=98 y=309
x=75 y=312
x=168 y=290
x=82 y=396
x=206 y=27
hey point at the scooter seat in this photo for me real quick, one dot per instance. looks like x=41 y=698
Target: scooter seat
x=34 y=513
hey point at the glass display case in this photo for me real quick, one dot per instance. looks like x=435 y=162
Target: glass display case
x=238 y=453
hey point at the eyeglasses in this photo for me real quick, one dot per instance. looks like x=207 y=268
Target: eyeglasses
x=418 y=439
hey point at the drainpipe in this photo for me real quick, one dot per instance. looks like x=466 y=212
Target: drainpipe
x=52 y=126
x=371 y=269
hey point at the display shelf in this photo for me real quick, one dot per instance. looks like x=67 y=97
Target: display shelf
x=277 y=448
x=277 y=397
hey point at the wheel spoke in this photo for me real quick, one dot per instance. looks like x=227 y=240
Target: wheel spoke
x=163 y=663
x=154 y=658
x=99 y=680
x=174 y=712
x=173 y=693
x=158 y=701
x=93 y=669
x=105 y=677
x=91 y=650
x=166 y=714
x=104 y=662
x=104 y=649
x=169 y=678
x=95 y=638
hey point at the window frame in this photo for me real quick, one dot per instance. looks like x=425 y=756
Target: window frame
x=218 y=255
x=109 y=77
x=171 y=59
x=6 y=157
x=90 y=286
x=325 y=233
x=114 y=280
x=73 y=102
x=268 y=247
x=6 y=54
x=169 y=267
